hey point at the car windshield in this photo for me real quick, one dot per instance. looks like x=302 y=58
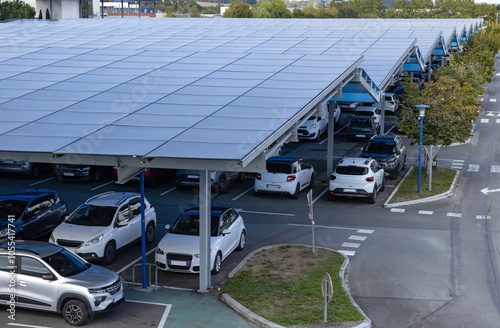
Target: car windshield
x=360 y=123
x=189 y=225
x=65 y=263
x=380 y=148
x=351 y=170
x=12 y=207
x=363 y=113
x=279 y=168
x=91 y=215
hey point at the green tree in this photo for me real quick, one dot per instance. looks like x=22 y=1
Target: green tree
x=40 y=16
x=369 y=8
x=238 y=9
x=47 y=14
x=452 y=109
x=16 y=10
x=272 y=9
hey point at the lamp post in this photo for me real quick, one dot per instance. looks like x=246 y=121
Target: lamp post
x=421 y=115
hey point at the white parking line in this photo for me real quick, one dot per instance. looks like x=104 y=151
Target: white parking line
x=235 y=198
x=103 y=185
x=319 y=196
x=483 y=217
x=365 y=231
x=473 y=168
x=41 y=181
x=347 y=253
x=165 y=192
x=359 y=238
x=425 y=212
x=455 y=215
x=267 y=213
x=336 y=131
x=493 y=99
x=398 y=210
x=134 y=261
x=165 y=314
x=495 y=169
x=320 y=226
x=23 y=325
x=352 y=245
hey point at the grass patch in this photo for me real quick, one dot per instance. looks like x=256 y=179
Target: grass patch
x=289 y=293
x=442 y=179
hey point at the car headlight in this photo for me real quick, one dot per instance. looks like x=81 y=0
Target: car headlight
x=94 y=240
x=196 y=255
x=160 y=251
x=313 y=126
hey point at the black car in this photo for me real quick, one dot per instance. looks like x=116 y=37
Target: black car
x=30 y=214
x=70 y=172
x=389 y=151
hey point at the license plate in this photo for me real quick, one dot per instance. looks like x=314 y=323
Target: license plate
x=193 y=177
x=178 y=263
x=360 y=135
x=7 y=162
x=273 y=187
x=118 y=297
x=66 y=174
x=349 y=190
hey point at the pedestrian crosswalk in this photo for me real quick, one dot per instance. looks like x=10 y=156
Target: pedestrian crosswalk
x=458 y=164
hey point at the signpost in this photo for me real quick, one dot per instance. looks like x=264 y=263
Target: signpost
x=310 y=203
x=327 y=291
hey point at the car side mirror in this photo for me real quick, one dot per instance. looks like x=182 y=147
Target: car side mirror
x=122 y=224
x=226 y=232
x=48 y=276
x=167 y=227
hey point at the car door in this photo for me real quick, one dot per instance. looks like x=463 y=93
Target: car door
x=32 y=290
x=402 y=151
x=124 y=232
x=5 y=290
x=379 y=173
x=135 y=222
x=305 y=174
x=226 y=234
x=36 y=216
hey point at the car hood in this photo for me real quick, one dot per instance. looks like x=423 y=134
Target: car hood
x=77 y=232
x=185 y=244
x=378 y=157
x=93 y=277
x=308 y=123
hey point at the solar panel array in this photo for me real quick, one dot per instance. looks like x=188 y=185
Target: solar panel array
x=180 y=88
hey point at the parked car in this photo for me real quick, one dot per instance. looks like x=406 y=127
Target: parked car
x=104 y=224
x=346 y=106
x=285 y=175
x=391 y=103
x=153 y=177
x=220 y=179
x=66 y=172
x=51 y=278
x=30 y=214
x=317 y=124
x=357 y=177
x=389 y=151
x=371 y=111
x=179 y=249
x=29 y=169
x=361 y=127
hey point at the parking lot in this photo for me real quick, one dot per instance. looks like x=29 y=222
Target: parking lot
x=270 y=219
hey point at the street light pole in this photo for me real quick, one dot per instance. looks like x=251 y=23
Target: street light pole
x=421 y=117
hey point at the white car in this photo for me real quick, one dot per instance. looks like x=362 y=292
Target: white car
x=391 y=103
x=179 y=249
x=317 y=124
x=371 y=111
x=285 y=175
x=357 y=177
x=104 y=224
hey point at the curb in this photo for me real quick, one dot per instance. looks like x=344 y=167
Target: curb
x=423 y=200
x=257 y=319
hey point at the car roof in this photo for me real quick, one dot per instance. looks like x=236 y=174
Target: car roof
x=28 y=194
x=216 y=209
x=357 y=161
x=362 y=117
x=383 y=139
x=111 y=198
x=40 y=248
x=361 y=108
x=282 y=159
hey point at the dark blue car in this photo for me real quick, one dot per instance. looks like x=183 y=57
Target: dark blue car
x=30 y=214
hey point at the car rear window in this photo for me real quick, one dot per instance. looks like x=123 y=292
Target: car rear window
x=361 y=123
x=279 y=168
x=351 y=170
x=12 y=207
x=388 y=98
x=363 y=113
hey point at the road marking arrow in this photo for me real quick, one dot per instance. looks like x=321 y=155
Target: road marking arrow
x=486 y=191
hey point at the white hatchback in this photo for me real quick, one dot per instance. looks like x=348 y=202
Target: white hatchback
x=285 y=175
x=357 y=177
x=179 y=249
x=104 y=224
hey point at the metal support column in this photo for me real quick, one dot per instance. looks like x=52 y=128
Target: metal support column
x=122 y=8
x=143 y=233
x=139 y=9
x=205 y=218
x=382 y=117
x=330 y=142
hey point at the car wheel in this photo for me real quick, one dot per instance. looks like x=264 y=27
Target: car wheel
x=75 y=313
x=257 y=193
x=295 y=195
x=97 y=175
x=242 y=242
x=404 y=164
x=109 y=253
x=217 y=263
x=382 y=188
x=150 y=232
x=373 y=198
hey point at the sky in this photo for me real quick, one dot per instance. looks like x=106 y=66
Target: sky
x=495 y=2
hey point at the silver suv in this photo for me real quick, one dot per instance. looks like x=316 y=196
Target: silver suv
x=43 y=276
